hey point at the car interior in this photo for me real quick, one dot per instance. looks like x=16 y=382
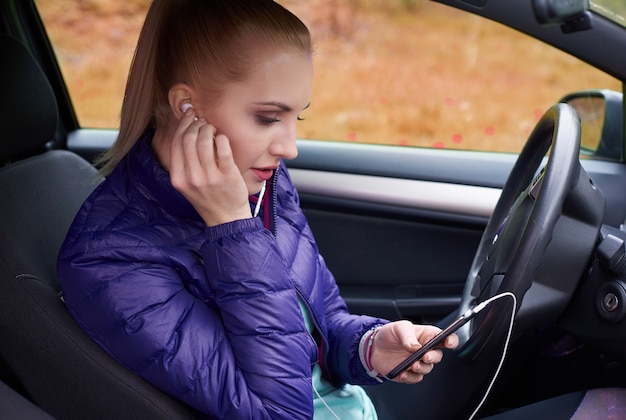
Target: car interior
x=50 y=368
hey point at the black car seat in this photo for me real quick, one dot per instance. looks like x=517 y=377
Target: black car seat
x=43 y=352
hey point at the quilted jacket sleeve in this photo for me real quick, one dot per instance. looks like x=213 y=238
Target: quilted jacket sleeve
x=134 y=304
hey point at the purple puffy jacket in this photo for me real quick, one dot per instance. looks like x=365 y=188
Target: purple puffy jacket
x=208 y=314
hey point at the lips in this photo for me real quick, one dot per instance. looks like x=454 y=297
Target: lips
x=263 y=174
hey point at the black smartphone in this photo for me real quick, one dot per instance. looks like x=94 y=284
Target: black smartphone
x=436 y=340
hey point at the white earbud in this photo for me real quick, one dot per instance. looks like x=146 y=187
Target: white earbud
x=186 y=106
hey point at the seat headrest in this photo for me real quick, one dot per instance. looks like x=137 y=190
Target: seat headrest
x=28 y=107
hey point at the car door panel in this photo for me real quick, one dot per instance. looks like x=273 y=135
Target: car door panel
x=399 y=240
x=396 y=247
x=401 y=247
x=391 y=267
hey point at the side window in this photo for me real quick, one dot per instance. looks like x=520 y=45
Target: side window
x=94 y=41
x=405 y=73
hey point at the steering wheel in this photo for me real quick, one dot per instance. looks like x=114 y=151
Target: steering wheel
x=526 y=219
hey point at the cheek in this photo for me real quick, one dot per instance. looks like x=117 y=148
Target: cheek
x=247 y=140
x=245 y=149
x=239 y=152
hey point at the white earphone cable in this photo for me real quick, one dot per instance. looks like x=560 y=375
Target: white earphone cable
x=258 y=203
x=326 y=405
x=504 y=350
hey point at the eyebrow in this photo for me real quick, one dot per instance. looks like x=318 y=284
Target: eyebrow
x=281 y=105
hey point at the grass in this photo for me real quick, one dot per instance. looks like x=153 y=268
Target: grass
x=409 y=72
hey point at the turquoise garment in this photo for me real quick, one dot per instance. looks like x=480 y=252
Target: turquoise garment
x=350 y=402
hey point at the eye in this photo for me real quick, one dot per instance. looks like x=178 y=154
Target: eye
x=265 y=121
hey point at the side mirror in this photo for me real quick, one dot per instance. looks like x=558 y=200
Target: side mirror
x=601 y=117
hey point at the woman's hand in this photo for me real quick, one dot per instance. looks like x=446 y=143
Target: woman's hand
x=396 y=341
x=203 y=170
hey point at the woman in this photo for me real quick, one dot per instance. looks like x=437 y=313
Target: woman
x=192 y=263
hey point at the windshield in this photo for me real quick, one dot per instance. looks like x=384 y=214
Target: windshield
x=614 y=10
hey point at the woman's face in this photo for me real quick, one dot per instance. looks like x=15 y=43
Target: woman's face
x=259 y=115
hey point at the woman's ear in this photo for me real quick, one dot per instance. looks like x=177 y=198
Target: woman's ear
x=180 y=98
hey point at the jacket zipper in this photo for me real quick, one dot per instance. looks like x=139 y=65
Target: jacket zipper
x=322 y=347
x=274 y=205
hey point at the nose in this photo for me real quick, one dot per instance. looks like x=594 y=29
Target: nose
x=284 y=145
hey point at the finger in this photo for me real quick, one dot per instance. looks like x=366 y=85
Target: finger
x=432 y=357
x=205 y=146
x=224 y=152
x=188 y=118
x=423 y=369
x=409 y=377
x=451 y=342
x=406 y=333
x=189 y=145
x=426 y=362
x=176 y=145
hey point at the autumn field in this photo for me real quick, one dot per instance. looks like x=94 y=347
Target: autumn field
x=410 y=73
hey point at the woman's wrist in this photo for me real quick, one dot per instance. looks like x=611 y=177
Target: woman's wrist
x=366 y=347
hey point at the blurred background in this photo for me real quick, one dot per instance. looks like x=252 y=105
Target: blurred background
x=401 y=72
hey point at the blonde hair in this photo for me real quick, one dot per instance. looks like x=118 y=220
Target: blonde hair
x=206 y=43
